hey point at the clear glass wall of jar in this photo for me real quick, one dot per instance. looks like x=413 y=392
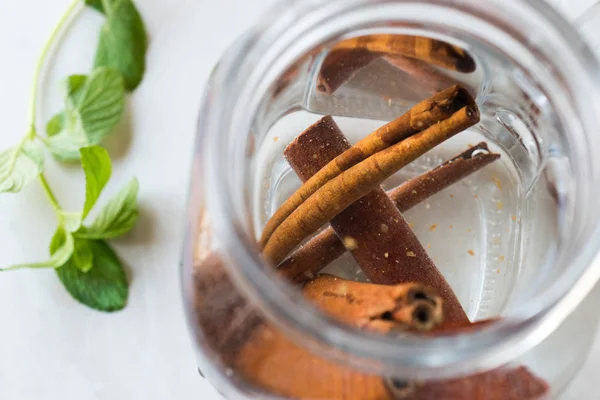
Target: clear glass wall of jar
x=516 y=241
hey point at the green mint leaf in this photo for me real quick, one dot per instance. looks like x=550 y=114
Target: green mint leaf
x=83 y=256
x=20 y=165
x=95 y=4
x=62 y=247
x=123 y=41
x=73 y=87
x=96 y=165
x=93 y=107
x=104 y=286
x=117 y=217
x=56 y=124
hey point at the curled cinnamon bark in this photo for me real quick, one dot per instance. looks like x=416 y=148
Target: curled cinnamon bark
x=443 y=108
x=311 y=258
x=343 y=190
x=382 y=308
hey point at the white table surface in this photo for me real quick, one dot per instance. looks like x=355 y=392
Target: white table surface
x=50 y=346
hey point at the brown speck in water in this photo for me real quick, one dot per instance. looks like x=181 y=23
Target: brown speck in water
x=411 y=254
x=276 y=138
x=476 y=196
x=501 y=258
x=309 y=275
x=498 y=271
x=411 y=225
x=498 y=182
x=433 y=227
x=451 y=226
x=350 y=243
x=451 y=196
x=428 y=245
x=471 y=252
x=514 y=217
x=469 y=230
x=499 y=205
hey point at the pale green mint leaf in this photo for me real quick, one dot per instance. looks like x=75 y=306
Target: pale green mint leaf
x=63 y=246
x=100 y=103
x=56 y=124
x=104 y=287
x=117 y=217
x=65 y=146
x=71 y=220
x=96 y=165
x=20 y=165
x=123 y=41
x=93 y=107
x=83 y=257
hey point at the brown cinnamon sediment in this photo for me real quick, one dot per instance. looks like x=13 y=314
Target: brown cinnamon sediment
x=383 y=308
x=340 y=66
x=425 y=114
x=326 y=247
x=386 y=248
x=275 y=363
x=430 y=50
x=345 y=189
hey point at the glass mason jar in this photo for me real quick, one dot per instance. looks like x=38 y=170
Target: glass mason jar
x=516 y=240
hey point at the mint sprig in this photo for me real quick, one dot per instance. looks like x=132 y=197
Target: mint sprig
x=94 y=103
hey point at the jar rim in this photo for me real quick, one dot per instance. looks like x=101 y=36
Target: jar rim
x=437 y=357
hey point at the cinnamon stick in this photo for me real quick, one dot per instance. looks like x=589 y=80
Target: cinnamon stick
x=381 y=308
x=343 y=190
x=499 y=384
x=340 y=66
x=381 y=241
x=440 y=107
x=326 y=247
x=433 y=51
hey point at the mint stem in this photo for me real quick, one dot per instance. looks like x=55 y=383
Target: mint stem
x=50 y=194
x=34 y=97
x=38 y=69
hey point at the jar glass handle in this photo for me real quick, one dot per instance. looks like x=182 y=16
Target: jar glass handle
x=588 y=24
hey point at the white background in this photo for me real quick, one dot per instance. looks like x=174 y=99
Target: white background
x=50 y=346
